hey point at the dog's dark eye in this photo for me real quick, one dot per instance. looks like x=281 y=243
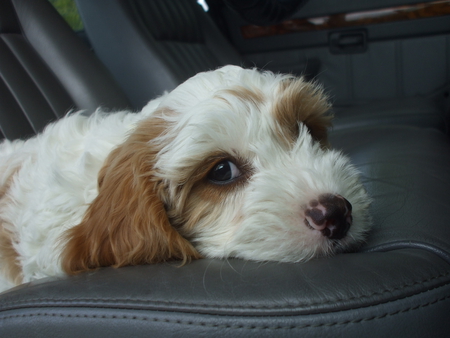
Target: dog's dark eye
x=224 y=172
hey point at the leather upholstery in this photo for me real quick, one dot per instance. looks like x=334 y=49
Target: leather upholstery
x=46 y=71
x=152 y=46
x=398 y=284
x=429 y=112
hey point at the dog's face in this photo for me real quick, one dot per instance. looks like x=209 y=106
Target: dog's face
x=233 y=163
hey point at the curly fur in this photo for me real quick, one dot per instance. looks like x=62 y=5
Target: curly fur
x=133 y=188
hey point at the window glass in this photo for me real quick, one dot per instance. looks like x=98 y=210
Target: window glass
x=69 y=12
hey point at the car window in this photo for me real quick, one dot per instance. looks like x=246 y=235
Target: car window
x=68 y=10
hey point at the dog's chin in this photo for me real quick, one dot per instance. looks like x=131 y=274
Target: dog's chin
x=268 y=237
x=295 y=251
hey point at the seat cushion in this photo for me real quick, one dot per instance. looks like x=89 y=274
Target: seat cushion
x=428 y=112
x=396 y=283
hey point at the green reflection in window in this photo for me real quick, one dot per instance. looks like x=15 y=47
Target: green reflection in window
x=68 y=10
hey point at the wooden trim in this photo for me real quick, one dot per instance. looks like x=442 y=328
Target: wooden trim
x=344 y=20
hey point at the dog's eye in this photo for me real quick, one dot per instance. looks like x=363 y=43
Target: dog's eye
x=224 y=172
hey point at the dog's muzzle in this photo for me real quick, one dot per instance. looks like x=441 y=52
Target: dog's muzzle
x=330 y=214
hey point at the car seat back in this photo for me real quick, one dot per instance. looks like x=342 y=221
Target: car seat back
x=46 y=70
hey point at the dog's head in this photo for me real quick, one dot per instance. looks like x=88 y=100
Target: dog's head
x=233 y=162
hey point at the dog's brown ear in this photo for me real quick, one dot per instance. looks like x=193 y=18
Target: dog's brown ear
x=126 y=224
x=305 y=102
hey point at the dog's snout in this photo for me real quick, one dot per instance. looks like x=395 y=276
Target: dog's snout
x=330 y=214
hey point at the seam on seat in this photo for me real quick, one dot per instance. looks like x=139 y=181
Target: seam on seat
x=28 y=302
x=33 y=78
x=13 y=94
x=249 y=327
x=397 y=245
x=13 y=117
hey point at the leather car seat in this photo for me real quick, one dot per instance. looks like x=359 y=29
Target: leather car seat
x=46 y=70
x=152 y=46
x=396 y=285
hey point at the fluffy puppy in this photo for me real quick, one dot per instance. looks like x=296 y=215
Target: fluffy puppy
x=232 y=163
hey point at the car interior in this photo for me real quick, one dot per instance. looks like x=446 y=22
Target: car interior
x=385 y=65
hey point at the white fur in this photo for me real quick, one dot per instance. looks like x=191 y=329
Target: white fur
x=55 y=175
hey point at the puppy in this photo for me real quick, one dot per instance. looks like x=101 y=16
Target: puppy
x=232 y=163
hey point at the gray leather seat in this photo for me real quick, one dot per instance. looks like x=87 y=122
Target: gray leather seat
x=425 y=112
x=153 y=46
x=46 y=70
x=397 y=285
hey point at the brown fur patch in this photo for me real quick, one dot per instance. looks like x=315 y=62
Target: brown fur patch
x=245 y=94
x=127 y=223
x=9 y=262
x=198 y=197
x=304 y=102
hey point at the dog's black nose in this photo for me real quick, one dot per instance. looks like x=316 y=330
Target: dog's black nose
x=330 y=214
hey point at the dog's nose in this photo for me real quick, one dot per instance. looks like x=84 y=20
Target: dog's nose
x=330 y=214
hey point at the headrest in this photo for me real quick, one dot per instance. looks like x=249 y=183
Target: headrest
x=175 y=20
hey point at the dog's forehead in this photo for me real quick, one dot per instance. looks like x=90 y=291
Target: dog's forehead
x=246 y=113
x=245 y=84
x=232 y=116
x=279 y=98
x=236 y=93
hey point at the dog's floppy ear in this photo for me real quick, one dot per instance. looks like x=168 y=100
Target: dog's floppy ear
x=126 y=224
x=305 y=102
